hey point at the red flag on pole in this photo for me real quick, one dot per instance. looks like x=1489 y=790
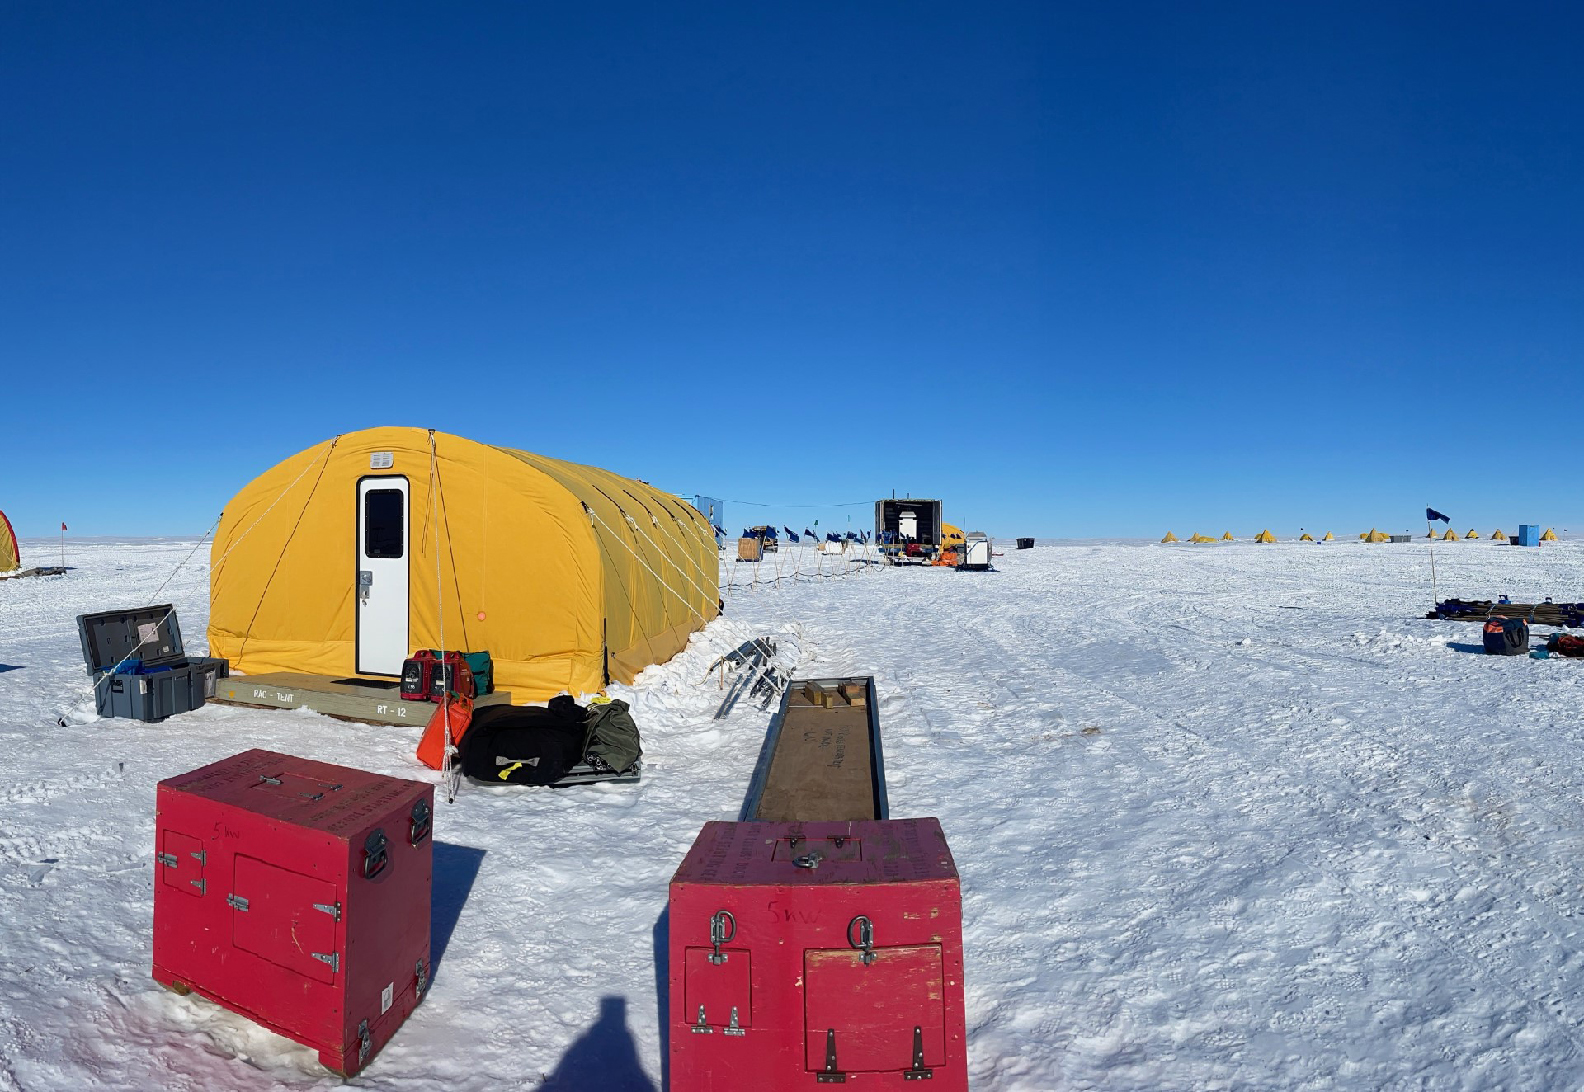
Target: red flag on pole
x=63 y=527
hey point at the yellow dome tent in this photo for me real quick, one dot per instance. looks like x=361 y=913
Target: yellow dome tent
x=1171 y=538
x=1472 y=533
x=1366 y=534
x=10 y=553
x=1228 y=537
x=1450 y=536
x=1306 y=537
x=1202 y=538
x=1497 y=536
x=1549 y=536
x=1329 y=537
x=1376 y=536
x=568 y=575
x=1265 y=536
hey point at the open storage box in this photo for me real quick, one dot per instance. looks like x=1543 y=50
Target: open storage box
x=139 y=667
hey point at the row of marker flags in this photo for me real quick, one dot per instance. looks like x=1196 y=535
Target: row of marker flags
x=792 y=536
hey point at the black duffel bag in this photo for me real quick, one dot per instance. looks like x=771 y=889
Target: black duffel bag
x=1507 y=637
x=513 y=745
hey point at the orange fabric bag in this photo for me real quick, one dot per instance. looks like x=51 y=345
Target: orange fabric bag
x=459 y=712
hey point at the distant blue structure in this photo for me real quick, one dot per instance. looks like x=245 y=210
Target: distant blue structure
x=1528 y=534
x=714 y=510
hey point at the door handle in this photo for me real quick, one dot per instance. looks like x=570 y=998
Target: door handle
x=365 y=582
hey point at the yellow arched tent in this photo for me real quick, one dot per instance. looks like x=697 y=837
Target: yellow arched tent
x=1497 y=536
x=1450 y=536
x=1364 y=535
x=568 y=575
x=1202 y=538
x=951 y=537
x=1549 y=536
x=10 y=553
x=1472 y=533
x=1378 y=536
x=1306 y=537
x=1228 y=537
x=1265 y=536
x=1329 y=537
x=1171 y=538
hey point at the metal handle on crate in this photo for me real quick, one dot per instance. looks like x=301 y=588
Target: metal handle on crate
x=375 y=855
x=718 y=934
x=422 y=823
x=865 y=938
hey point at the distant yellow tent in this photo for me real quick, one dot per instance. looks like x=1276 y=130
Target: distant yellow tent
x=1171 y=538
x=1306 y=537
x=1365 y=534
x=1497 y=536
x=1549 y=536
x=1472 y=533
x=1202 y=538
x=951 y=537
x=10 y=556
x=1450 y=536
x=1329 y=537
x=1265 y=536
x=1379 y=536
x=1228 y=537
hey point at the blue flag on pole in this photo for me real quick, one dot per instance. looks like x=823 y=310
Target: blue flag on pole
x=1432 y=514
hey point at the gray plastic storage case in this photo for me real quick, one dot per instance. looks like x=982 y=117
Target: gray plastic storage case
x=151 y=636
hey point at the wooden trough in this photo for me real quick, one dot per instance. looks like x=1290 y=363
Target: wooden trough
x=821 y=759
x=346 y=699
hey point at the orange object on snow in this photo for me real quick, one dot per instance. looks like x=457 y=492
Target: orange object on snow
x=458 y=712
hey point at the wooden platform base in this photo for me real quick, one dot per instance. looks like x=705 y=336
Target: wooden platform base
x=347 y=699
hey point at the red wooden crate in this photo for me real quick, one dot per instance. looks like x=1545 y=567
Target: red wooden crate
x=297 y=894
x=805 y=954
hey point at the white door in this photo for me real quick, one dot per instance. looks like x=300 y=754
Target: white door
x=383 y=543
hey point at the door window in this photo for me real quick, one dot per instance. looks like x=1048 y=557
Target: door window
x=382 y=522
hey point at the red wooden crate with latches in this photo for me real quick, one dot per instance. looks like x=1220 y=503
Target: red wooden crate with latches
x=804 y=954
x=296 y=893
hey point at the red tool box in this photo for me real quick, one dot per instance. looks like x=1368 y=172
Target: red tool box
x=297 y=894
x=804 y=954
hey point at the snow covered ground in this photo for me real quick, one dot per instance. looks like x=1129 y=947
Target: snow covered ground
x=1227 y=817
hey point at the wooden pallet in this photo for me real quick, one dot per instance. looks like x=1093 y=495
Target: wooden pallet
x=345 y=699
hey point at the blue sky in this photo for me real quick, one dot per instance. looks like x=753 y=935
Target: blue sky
x=1078 y=270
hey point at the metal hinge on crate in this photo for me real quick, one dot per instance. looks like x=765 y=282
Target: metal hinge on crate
x=734 y=1028
x=331 y=908
x=364 y=1042
x=332 y=958
x=701 y=1027
x=830 y=1074
x=918 y=1072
